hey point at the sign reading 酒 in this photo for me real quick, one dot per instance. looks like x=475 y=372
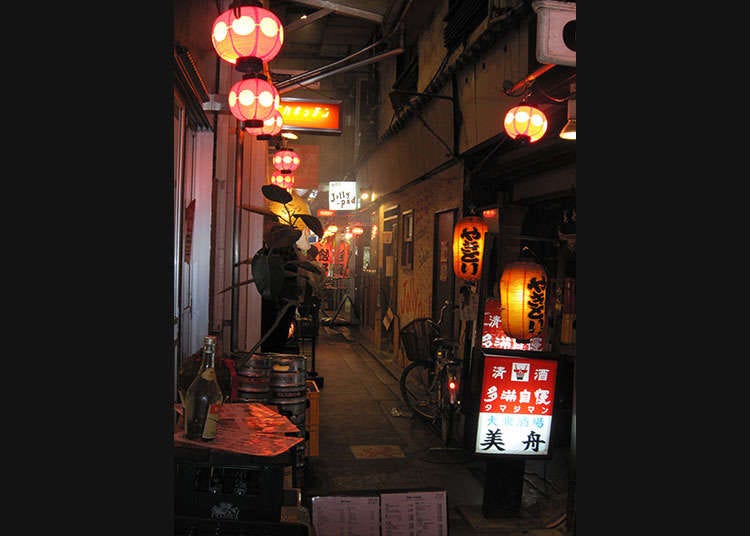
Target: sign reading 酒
x=516 y=406
x=342 y=195
x=311 y=116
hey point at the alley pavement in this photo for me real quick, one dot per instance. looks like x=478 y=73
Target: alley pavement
x=361 y=411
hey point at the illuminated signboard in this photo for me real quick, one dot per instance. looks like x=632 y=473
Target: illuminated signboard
x=342 y=195
x=516 y=405
x=493 y=335
x=326 y=212
x=305 y=115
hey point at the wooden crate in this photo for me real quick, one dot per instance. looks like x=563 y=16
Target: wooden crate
x=312 y=419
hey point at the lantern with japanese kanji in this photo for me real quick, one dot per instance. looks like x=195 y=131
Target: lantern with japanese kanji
x=523 y=293
x=247 y=31
x=286 y=160
x=253 y=100
x=468 y=247
x=525 y=123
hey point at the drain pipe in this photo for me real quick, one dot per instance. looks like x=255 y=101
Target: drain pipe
x=212 y=259
x=236 y=226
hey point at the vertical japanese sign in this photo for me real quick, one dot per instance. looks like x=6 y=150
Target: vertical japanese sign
x=516 y=406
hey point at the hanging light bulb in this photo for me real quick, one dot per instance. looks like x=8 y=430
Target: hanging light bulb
x=526 y=123
x=568 y=132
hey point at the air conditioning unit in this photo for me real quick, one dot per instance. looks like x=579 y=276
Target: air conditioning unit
x=556 y=32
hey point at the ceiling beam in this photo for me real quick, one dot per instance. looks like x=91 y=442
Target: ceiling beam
x=342 y=10
x=312 y=17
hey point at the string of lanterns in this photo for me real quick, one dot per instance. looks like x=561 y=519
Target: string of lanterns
x=249 y=36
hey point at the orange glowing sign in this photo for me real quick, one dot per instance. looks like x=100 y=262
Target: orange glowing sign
x=311 y=116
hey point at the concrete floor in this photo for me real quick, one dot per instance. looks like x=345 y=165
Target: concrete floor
x=361 y=410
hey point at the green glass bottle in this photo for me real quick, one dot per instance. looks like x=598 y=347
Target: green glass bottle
x=203 y=398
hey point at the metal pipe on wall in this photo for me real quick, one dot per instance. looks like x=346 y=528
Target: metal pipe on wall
x=236 y=226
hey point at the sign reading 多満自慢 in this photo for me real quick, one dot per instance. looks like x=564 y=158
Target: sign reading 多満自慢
x=516 y=405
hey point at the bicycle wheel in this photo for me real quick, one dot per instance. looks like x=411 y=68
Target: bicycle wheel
x=417 y=389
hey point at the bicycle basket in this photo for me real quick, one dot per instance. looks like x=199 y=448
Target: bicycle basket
x=416 y=339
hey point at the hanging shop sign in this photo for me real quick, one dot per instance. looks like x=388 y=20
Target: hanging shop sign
x=303 y=115
x=342 y=195
x=468 y=247
x=516 y=405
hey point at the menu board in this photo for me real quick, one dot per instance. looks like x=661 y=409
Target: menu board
x=516 y=405
x=346 y=516
x=408 y=513
x=419 y=513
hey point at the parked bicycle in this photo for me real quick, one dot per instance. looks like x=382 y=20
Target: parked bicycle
x=430 y=384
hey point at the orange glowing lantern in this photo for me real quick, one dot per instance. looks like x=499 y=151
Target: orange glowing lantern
x=523 y=292
x=526 y=123
x=286 y=160
x=468 y=247
x=247 y=31
x=285 y=180
x=270 y=128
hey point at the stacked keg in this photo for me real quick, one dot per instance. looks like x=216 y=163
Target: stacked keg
x=279 y=380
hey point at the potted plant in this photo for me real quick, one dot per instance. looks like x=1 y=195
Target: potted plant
x=279 y=270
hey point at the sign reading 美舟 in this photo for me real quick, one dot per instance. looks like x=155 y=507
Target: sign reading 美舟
x=516 y=405
x=306 y=115
x=342 y=195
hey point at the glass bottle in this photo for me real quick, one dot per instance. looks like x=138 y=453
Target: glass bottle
x=203 y=398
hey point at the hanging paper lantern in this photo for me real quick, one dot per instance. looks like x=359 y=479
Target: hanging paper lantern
x=253 y=100
x=468 y=247
x=523 y=291
x=286 y=160
x=249 y=31
x=525 y=122
x=285 y=180
x=270 y=128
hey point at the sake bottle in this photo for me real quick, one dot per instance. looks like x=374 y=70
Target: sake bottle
x=203 y=399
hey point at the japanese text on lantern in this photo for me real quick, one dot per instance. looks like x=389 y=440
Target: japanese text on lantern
x=516 y=406
x=470 y=250
x=536 y=305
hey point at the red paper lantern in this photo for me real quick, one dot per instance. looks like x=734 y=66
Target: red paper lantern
x=525 y=122
x=270 y=128
x=249 y=31
x=523 y=292
x=468 y=247
x=254 y=100
x=285 y=180
x=286 y=160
